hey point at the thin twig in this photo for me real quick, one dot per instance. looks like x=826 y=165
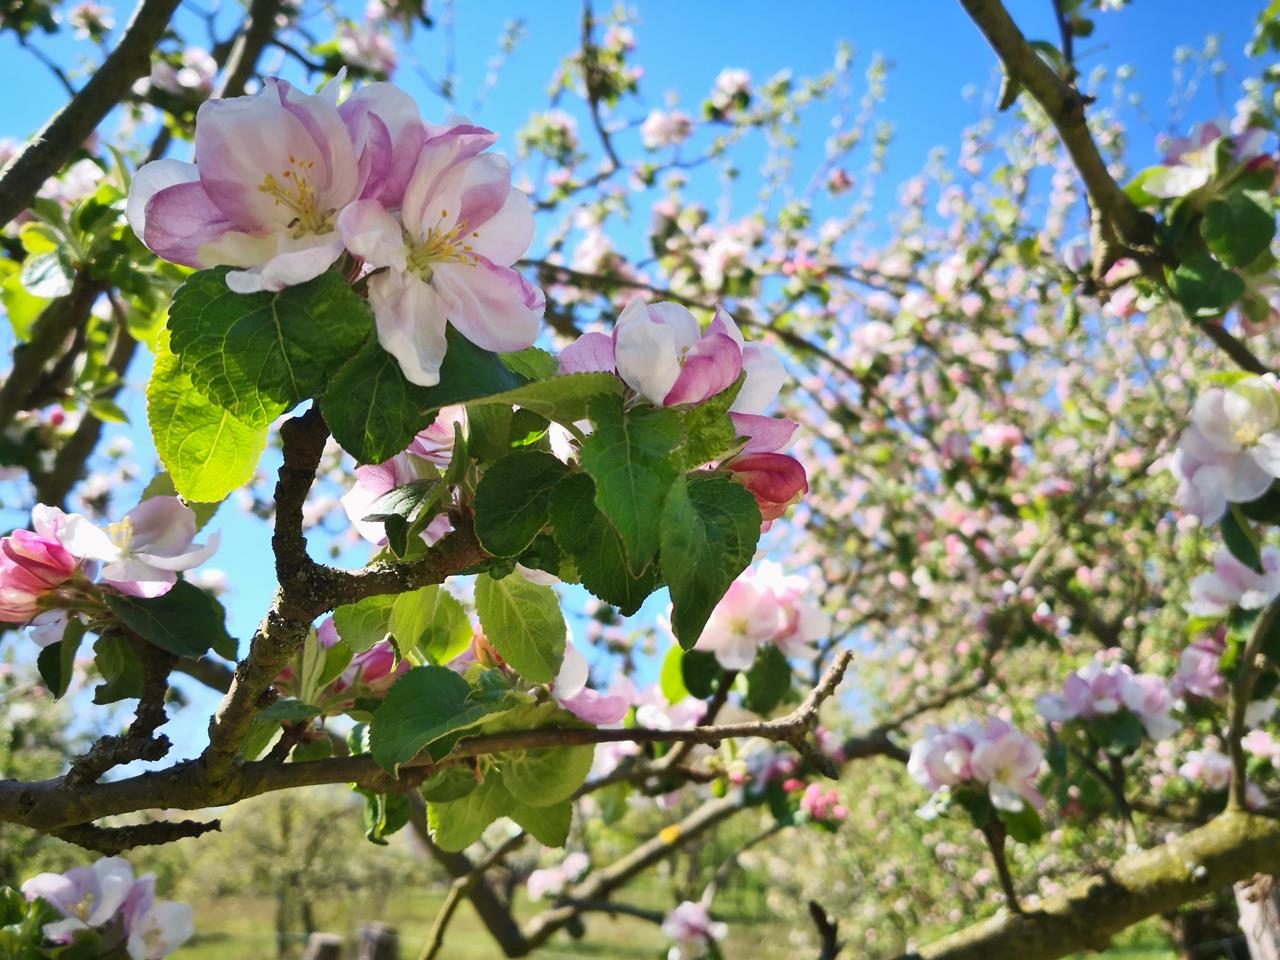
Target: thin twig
x=460 y=888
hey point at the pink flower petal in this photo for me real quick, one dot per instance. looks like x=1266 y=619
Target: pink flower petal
x=590 y=353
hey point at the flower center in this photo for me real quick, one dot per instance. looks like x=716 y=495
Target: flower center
x=1246 y=434
x=441 y=246
x=84 y=907
x=121 y=534
x=294 y=192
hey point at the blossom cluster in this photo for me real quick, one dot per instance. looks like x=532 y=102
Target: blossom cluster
x=993 y=755
x=285 y=182
x=369 y=675
x=140 y=556
x=764 y=606
x=1190 y=163
x=660 y=352
x=551 y=881
x=1105 y=686
x=693 y=931
x=1230 y=452
x=122 y=909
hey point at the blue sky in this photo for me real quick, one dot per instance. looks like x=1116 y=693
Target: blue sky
x=934 y=52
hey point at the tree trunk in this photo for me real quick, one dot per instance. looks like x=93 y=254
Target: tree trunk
x=1259 y=903
x=378 y=942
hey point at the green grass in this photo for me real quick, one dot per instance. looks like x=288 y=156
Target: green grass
x=242 y=929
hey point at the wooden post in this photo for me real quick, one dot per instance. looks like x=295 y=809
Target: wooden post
x=378 y=942
x=323 y=946
x=1259 y=903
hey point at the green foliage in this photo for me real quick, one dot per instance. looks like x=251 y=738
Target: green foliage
x=362 y=624
x=513 y=501
x=186 y=621
x=57 y=661
x=207 y=451
x=709 y=529
x=524 y=623
x=374 y=412
x=629 y=458
x=1239 y=225
x=258 y=355
x=549 y=825
x=431 y=622
x=709 y=433
x=1204 y=287
x=420 y=711
x=547 y=775
x=456 y=824
x=117 y=661
x=768 y=680
x=587 y=537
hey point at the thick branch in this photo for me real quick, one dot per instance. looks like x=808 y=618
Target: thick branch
x=1065 y=108
x=1234 y=846
x=62 y=136
x=255 y=36
x=110 y=841
x=462 y=887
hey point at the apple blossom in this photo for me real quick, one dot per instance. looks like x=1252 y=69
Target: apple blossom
x=1230 y=453
x=142 y=553
x=1105 y=686
x=431 y=448
x=1232 y=584
x=993 y=755
x=691 y=927
x=823 y=804
x=662 y=128
x=450 y=251
x=551 y=881
x=1189 y=163
x=1200 y=669
x=1209 y=766
x=32 y=564
x=272 y=173
x=571 y=690
x=763 y=606
x=87 y=897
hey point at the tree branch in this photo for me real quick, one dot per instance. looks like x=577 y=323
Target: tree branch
x=1145 y=884
x=1241 y=694
x=461 y=887
x=110 y=841
x=1065 y=108
x=253 y=39
x=62 y=136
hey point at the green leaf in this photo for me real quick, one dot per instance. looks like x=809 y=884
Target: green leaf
x=547 y=775
x=1023 y=825
x=259 y=354
x=364 y=623
x=186 y=621
x=1205 y=288
x=1135 y=190
x=207 y=452
x=671 y=677
x=1119 y=733
x=121 y=670
x=290 y=711
x=563 y=399
x=591 y=542
x=548 y=825
x=48 y=275
x=57 y=661
x=432 y=621
x=1239 y=225
x=424 y=706
x=1240 y=538
x=532 y=363
x=451 y=783
x=524 y=623
x=374 y=412
x=629 y=458
x=457 y=824
x=710 y=526
x=709 y=433
x=513 y=500
x=702 y=673
x=768 y=680
x=384 y=814
x=489 y=430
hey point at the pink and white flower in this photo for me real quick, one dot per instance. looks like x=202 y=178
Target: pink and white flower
x=1200 y=669
x=87 y=897
x=994 y=755
x=571 y=691
x=461 y=227
x=691 y=927
x=662 y=128
x=1230 y=453
x=551 y=881
x=33 y=563
x=272 y=173
x=764 y=606
x=1232 y=584
x=1105 y=686
x=143 y=553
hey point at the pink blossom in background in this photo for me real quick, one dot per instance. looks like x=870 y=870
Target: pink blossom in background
x=764 y=606
x=693 y=931
x=823 y=804
x=551 y=881
x=1232 y=583
x=1209 y=766
x=993 y=755
x=1200 y=670
x=1105 y=686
